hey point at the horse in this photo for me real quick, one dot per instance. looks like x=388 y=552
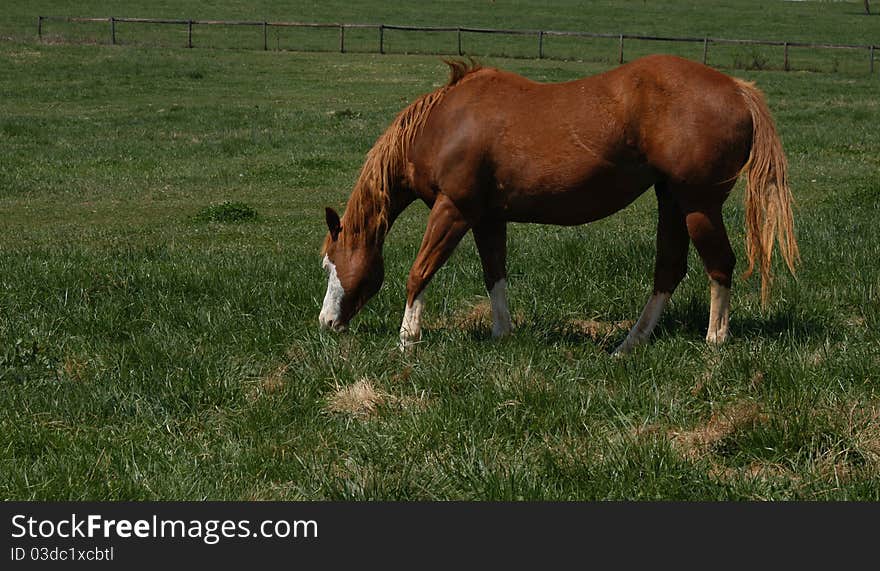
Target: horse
x=491 y=147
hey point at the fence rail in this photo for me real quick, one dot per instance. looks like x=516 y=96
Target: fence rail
x=459 y=30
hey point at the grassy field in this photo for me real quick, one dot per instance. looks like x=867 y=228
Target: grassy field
x=828 y=22
x=146 y=353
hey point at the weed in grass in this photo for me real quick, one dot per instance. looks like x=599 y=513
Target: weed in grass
x=226 y=212
x=27 y=361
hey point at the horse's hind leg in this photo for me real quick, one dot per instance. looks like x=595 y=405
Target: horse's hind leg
x=491 y=239
x=446 y=226
x=669 y=269
x=706 y=229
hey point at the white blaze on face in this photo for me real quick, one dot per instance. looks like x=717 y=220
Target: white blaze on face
x=501 y=324
x=333 y=298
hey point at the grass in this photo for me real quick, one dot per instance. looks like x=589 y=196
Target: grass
x=226 y=213
x=810 y=21
x=144 y=355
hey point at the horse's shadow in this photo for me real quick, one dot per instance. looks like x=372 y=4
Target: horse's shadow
x=687 y=319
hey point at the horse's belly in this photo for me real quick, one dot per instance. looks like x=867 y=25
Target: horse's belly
x=578 y=203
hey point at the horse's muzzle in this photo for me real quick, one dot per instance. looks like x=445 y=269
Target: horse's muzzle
x=332 y=325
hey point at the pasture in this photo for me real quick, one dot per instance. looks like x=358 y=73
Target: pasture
x=151 y=349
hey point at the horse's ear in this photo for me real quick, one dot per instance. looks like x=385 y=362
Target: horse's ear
x=333 y=223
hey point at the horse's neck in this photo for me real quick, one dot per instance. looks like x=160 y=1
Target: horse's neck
x=397 y=201
x=400 y=199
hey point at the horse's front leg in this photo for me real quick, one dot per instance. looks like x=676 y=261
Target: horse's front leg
x=446 y=226
x=491 y=239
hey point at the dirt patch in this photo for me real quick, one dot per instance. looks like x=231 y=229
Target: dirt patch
x=723 y=423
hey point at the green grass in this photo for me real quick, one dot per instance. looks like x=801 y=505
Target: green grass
x=145 y=354
x=777 y=20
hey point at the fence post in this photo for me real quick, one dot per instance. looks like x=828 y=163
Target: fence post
x=459 y=42
x=113 y=30
x=786 y=65
x=381 y=38
x=872 y=59
x=189 y=34
x=40 y=28
x=620 y=50
x=541 y=44
x=705 y=51
x=342 y=38
x=265 y=36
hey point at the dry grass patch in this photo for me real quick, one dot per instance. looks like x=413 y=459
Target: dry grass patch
x=599 y=331
x=363 y=400
x=474 y=315
x=273 y=382
x=477 y=315
x=699 y=441
x=763 y=471
x=74 y=368
x=360 y=399
x=861 y=429
x=274 y=491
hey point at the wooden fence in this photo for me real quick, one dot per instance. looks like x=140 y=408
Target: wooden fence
x=538 y=35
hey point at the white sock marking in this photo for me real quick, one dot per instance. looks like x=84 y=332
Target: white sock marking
x=641 y=331
x=719 y=313
x=333 y=298
x=411 y=328
x=501 y=323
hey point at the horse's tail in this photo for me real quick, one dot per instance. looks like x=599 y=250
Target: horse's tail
x=767 y=197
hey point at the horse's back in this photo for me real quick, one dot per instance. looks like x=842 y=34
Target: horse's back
x=577 y=151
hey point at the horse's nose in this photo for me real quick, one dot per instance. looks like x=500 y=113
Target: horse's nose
x=332 y=324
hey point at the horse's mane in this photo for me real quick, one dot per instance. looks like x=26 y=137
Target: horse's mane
x=367 y=210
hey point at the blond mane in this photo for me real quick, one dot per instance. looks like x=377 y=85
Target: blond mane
x=366 y=213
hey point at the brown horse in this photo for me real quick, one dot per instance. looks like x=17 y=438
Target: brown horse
x=491 y=147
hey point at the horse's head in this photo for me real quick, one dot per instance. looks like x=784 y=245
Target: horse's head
x=355 y=273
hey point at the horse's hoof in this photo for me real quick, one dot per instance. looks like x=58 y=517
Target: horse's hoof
x=620 y=352
x=407 y=345
x=501 y=333
x=716 y=340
